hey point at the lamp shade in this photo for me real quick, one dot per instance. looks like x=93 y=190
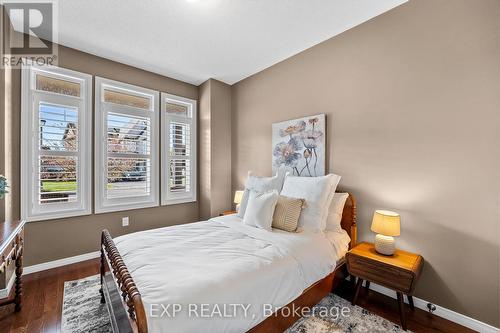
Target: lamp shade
x=386 y=223
x=238 y=195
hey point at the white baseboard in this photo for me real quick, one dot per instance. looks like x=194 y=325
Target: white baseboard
x=61 y=262
x=440 y=311
x=4 y=293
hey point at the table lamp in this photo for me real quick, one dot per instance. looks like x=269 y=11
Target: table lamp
x=387 y=225
x=238 y=195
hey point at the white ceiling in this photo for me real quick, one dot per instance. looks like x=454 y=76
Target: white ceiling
x=194 y=40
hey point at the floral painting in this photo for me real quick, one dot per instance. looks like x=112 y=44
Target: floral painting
x=299 y=145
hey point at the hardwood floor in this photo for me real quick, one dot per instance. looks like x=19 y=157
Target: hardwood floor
x=42 y=299
x=43 y=295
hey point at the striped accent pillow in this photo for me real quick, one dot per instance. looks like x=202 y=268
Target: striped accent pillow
x=287 y=213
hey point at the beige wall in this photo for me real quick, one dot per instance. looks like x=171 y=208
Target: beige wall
x=4 y=89
x=215 y=148
x=204 y=148
x=221 y=198
x=2 y=134
x=412 y=101
x=55 y=239
x=5 y=92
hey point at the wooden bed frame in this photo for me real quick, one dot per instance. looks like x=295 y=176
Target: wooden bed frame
x=127 y=312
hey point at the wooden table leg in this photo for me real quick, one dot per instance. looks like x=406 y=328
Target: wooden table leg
x=358 y=287
x=367 y=286
x=352 y=281
x=401 y=306
x=410 y=301
x=19 y=282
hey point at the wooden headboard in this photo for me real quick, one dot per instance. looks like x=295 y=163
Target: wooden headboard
x=348 y=222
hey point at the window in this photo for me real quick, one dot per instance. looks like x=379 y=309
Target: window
x=178 y=117
x=56 y=133
x=126 y=146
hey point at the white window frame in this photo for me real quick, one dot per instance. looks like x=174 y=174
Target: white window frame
x=167 y=197
x=102 y=204
x=31 y=210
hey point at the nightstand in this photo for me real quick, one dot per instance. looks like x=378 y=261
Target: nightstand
x=228 y=212
x=398 y=272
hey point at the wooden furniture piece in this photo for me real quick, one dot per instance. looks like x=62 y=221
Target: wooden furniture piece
x=398 y=272
x=11 y=249
x=228 y=212
x=127 y=313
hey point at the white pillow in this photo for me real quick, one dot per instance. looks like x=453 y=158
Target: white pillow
x=261 y=184
x=260 y=209
x=334 y=219
x=318 y=194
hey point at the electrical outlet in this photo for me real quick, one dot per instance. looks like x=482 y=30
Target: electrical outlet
x=125 y=221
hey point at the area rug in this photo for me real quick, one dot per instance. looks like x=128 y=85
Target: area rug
x=327 y=318
x=82 y=309
x=83 y=312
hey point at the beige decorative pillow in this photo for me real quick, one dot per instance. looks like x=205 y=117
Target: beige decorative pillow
x=287 y=213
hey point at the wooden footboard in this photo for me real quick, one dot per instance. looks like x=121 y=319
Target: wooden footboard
x=119 y=291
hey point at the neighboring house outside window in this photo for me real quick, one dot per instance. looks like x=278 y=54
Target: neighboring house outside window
x=55 y=143
x=126 y=146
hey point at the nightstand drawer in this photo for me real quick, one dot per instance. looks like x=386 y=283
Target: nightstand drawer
x=398 y=272
x=380 y=273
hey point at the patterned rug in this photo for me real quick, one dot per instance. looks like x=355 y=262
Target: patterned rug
x=83 y=312
x=82 y=309
x=355 y=320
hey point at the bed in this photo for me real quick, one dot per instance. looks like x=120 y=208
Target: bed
x=219 y=268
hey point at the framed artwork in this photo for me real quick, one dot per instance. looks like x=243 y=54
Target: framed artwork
x=299 y=146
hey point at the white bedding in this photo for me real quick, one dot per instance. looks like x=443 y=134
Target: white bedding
x=222 y=261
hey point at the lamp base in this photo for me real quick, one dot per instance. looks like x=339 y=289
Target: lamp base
x=385 y=245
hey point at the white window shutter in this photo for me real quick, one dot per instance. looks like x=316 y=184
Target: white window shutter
x=179 y=149
x=126 y=146
x=56 y=134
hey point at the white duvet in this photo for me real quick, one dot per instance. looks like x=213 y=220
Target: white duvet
x=221 y=275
